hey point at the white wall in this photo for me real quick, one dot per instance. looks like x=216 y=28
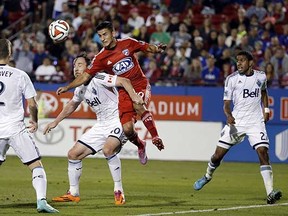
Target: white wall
x=184 y=140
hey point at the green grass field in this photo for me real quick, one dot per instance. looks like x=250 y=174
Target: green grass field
x=159 y=188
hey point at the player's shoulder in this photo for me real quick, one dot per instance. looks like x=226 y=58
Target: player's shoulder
x=232 y=76
x=259 y=72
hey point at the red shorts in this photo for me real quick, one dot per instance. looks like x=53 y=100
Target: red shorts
x=126 y=109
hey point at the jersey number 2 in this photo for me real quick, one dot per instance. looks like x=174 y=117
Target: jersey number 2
x=2 y=88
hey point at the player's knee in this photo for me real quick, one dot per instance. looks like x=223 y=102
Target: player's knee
x=128 y=130
x=72 y=155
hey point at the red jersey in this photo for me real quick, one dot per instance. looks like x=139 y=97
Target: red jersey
x=120 y=61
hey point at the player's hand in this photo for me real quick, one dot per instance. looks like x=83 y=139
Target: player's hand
x=49 y=127
x=161 y=47
x=137 y=99
x=234 y=133
x=33 y=126
x=61 y=90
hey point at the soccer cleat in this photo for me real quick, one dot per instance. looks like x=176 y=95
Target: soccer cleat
x=142 y=153
x=44 y=207
x=67 y=198
x=274 y=196
x=119 y=198
x=157 y=141
x=199 y=184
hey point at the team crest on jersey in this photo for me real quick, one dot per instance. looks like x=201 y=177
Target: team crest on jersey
x=94 y=91
x=123 y=66
x=125 y=52
x=259 y=83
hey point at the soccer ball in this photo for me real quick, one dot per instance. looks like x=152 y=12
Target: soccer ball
x=59 y=30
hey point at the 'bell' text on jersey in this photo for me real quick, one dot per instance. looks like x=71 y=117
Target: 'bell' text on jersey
x=101 y=95
x=245 y=92
x=120 y=60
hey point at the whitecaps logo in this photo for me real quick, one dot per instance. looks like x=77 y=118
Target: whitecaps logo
x=123 y=66
x=281 y=145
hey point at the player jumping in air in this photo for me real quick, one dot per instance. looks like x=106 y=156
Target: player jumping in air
x=118 y=57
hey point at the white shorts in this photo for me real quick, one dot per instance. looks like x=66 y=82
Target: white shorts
x=257 y=136
x=23 y=145
x=96 y=137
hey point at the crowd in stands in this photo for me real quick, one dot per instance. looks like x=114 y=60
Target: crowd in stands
x=202 y=37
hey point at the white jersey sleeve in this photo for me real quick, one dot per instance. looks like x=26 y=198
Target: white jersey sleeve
x=79 y=94
x=106 y=79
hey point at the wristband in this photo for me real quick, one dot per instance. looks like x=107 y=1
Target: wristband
x=266 y=110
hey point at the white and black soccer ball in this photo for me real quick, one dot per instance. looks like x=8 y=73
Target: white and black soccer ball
x=59 y=30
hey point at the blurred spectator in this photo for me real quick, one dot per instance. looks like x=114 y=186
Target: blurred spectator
x=174 y=24
x=210 y=75
x=244 y=44
x=197 y=47
x=231 y=40
x=58 y=7
x=266 y=59
x=280 y=62
x=59 y=76
x=180 y=38
x=152 y=28
x=283 y=38
x=143 y=34
x=177 y=6
x=258 y=9
x=39 y=55
x=224 y=58
x=284 y=81
x=135 y=21
x=160 y=36
x=113 y=15
x=66 y=14
x=156 y=14
x=4 y=18
x=166 y=59
x=240 y=19
x=253 y=35
x=226 y=70
x=153 y=73
x=192 y=76
x=24 y=59
x=37 y=33
x=272 y=82
x=217 y=50
x=175 y=71
x=258 y=52
x=206 y=29
x=45 y=71
x=77 y=21
x=275 y=13
x=107 y=4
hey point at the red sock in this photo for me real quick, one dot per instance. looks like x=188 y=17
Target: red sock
x=136 y=140
x=149 y=123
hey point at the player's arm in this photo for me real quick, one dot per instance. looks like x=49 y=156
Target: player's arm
x=33 y=110
x=264 y=98
x=126 y=84
x=81 y=79
x=67 y=111
x=228 y=112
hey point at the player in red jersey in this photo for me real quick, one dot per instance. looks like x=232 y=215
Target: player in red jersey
x=118 y=57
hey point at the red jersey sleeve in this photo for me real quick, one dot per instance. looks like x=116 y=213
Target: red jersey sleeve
x=138 y=45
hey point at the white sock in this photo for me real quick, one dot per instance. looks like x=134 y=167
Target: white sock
x=267 y=175
x=39 y=182
x=210 y=170
x=114 y=164
x=74 y=174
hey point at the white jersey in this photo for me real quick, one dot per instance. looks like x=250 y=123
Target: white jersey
x=101 y=95
x=14 y=84
x=245 y=92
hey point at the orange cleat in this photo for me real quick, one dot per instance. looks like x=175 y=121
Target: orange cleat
x=67 y=198
x=119 y=198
